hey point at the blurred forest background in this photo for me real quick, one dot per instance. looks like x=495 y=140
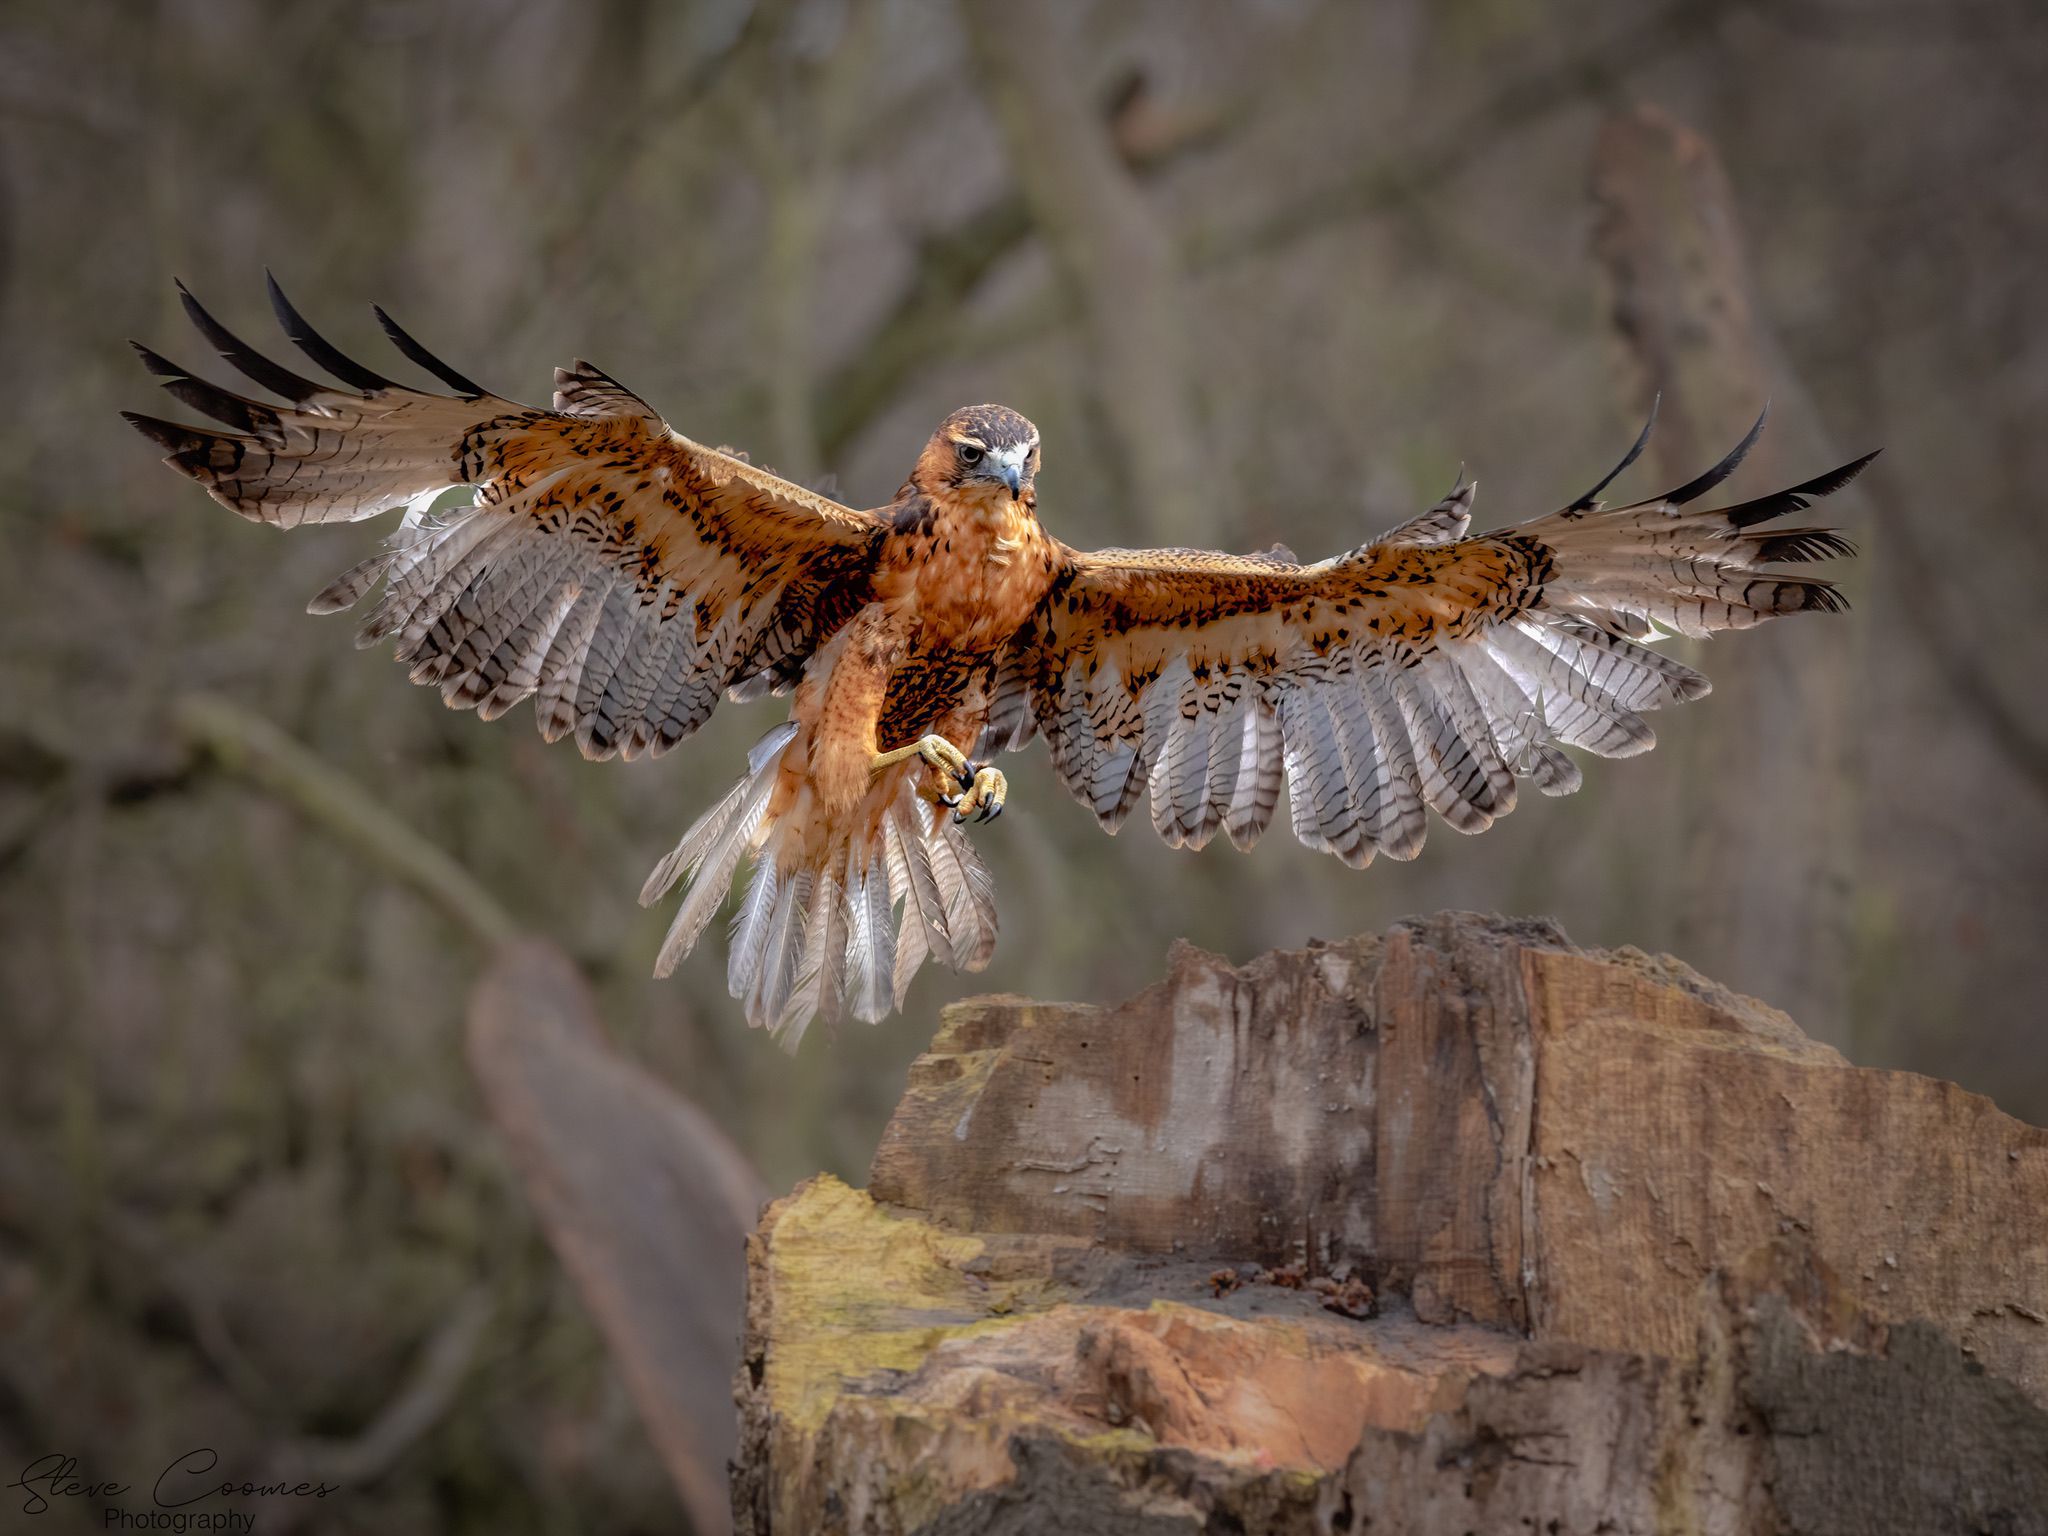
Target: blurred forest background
x=1263 y=271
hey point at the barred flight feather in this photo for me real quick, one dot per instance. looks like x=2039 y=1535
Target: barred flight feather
x=597 y=497
x=1225 y=732
x=627 y=579
x=1401 y=826
x=1425 y=669
x=1366 y=775
x=924 y=907
x=1256 y=794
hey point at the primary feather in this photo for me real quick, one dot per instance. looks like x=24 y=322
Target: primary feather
x=625 y=578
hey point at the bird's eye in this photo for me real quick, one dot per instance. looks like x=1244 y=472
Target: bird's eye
x=970 y=454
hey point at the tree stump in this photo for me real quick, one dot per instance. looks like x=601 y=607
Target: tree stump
x=1457 y=1229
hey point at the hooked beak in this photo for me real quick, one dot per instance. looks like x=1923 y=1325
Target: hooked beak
x=1009 y=466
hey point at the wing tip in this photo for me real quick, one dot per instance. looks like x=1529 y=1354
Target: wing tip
x=1796 y=498
x=1699 y=485
x=415 y=353
x=1591 y=499
x=318 y=347
x=169 y=435
x=245 y=359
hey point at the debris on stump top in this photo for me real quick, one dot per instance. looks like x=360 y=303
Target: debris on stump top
x=1458 y=1226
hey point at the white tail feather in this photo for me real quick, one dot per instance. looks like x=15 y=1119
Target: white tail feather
x=711 y=850
x=817 y=934
x=750 y=929
x=871 y=935
x=820 y=990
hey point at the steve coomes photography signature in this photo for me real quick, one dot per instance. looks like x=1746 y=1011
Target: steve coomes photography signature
x=185 y=1496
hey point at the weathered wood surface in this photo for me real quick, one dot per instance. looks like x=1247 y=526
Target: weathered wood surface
x=1647 y=1259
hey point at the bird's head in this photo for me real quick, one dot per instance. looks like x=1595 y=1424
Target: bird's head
x=980 y=453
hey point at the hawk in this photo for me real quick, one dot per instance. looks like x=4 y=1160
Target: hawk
x=628 y=578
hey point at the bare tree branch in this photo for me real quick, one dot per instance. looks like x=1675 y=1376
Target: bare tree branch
x=1520 y=102
x=926 y=320
x=245 y=743
x=426 y=1397
x=926 y=323
x=1113 y=256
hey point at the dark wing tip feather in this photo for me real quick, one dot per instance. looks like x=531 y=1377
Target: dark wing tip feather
x=231 y=409
x=1791 y=546
x=244 y=358
x=156 y=362
x=165 y=434
x=1825 y=597
x=1692 y=490
x=1587 y=502
x=414 y=352
x=1793 y=594
x=318 y=347
x=1795 y=498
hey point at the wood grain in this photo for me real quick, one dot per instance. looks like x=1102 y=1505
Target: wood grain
x=1646 y=1257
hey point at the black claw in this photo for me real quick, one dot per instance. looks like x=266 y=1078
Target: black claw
x=966 y=775
x=959 y=818
x=949 y=801
x=992 y=815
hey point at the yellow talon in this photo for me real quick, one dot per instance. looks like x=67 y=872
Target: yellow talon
x=934 y=750
x=985 y=795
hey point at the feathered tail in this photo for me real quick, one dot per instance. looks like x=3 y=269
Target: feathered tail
x=818 y=933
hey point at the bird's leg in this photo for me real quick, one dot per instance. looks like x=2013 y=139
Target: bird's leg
x=939 y=754
x=985 y=795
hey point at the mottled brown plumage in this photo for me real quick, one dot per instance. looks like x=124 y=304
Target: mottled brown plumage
x=627 y=578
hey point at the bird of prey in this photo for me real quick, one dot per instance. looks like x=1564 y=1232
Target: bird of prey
x=627 y=578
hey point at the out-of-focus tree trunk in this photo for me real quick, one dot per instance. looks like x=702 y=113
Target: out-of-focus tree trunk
x=596 y=1139
x=1111 y=253
x=797 y=153
x=1762 y=895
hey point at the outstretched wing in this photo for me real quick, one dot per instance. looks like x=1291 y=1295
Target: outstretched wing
x=621 y=572
x=1425 y=669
